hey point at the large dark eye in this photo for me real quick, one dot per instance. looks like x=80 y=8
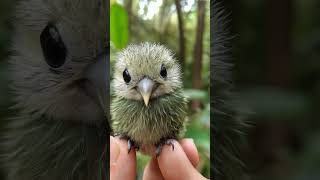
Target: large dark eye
x=53 y=47
x=163 y=71
x=126 y=76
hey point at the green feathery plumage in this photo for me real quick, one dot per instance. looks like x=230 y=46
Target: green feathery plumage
x=164 y=117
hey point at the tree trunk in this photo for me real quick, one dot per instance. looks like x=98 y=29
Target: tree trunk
x=279 y=43
x=129 y=11
x=272 y=135
x=181 y=34
x=197 y=66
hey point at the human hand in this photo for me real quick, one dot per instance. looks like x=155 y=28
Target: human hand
x=170 y=165
x=176 y=164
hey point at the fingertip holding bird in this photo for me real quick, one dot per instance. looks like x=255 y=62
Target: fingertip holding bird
x=189 y=148
x=122 y=163
x=114 y=151
x=191 y=151
x=174 y=163
x=123 y=146
x=152 y=169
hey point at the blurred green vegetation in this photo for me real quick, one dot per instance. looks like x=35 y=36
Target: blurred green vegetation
x=157 y=21
x=277 y=72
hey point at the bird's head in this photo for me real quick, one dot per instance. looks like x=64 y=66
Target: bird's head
x=60 y=66
x=146 y=71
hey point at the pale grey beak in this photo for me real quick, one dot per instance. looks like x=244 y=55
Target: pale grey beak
x=145 y=87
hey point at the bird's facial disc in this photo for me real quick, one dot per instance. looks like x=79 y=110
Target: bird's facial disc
x=145 y=71
x=145 y=88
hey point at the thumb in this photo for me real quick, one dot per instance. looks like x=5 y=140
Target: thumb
x=174 y=164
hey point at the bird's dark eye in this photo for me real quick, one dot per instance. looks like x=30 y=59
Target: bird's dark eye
x=126 y=76
x=163 y=71
x=53 y=48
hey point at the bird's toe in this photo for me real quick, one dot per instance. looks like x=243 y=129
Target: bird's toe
x=164 y=142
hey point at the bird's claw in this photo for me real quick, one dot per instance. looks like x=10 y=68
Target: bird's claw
x=164 y=142
x=131 y=143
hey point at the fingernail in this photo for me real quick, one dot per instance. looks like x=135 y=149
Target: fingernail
x=190 y=139
x=114 y=151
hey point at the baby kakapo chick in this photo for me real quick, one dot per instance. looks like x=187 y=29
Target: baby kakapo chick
x=149 y=108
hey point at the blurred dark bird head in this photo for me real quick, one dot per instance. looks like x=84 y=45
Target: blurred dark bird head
x=60 y=68
x=59 y=73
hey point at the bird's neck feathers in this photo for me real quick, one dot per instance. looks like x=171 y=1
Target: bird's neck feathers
x=164 y=116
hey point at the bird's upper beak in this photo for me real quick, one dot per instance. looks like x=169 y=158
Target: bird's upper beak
x=145 y=87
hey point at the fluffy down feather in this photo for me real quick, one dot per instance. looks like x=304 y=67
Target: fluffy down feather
x=227 y=128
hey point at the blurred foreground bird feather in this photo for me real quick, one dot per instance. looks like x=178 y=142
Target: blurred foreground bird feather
x=227 y=127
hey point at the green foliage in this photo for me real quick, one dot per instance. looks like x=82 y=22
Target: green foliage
x=284 y=102
x=142 y=162
x=118 y=26
x=274 y=103
x=195 y=94
x=199 y=131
